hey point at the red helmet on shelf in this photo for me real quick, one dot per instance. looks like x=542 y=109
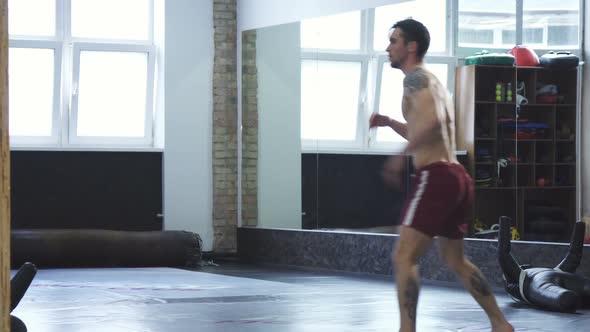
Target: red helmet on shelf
x=524 y=56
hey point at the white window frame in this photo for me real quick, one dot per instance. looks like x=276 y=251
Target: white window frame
x=56 y=46
x=67 y=57
x=372 y=62
x=472 y=49
x=357 y=56
x=355 y=144
x=147 y=139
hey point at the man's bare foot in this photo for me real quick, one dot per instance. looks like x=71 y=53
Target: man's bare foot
x=503 y=328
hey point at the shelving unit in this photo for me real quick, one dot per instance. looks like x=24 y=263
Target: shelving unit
x=521 y=156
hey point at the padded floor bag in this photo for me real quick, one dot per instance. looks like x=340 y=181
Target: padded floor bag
x=560 y=60
x=104 y=248
x=485 y=58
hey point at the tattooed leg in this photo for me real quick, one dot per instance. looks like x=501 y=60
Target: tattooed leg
x=479 y=288
x=410 y=247
x=407 y=295
x=411 y=295
x=474 y=281
x=479 y=284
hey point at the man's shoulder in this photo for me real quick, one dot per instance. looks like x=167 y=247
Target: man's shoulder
x=423 y=80
x=417 y=79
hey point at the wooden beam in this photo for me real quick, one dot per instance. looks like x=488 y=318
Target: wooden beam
x=4 y=175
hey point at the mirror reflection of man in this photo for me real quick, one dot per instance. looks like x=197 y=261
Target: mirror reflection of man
x=442 y=195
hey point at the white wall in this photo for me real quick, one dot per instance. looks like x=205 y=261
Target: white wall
x=254 y=14
x=278 y=60
x=188 y=129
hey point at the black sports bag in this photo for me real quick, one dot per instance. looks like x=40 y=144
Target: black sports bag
x=560 y=59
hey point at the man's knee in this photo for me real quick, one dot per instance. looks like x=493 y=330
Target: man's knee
x=411 y=245
x=454 y=263
x=403 y=257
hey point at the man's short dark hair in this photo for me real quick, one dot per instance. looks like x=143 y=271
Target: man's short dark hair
x=413 y=30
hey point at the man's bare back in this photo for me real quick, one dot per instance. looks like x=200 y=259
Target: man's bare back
x=427 y=108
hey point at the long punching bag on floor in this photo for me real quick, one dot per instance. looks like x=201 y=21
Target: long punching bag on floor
x=59 y=248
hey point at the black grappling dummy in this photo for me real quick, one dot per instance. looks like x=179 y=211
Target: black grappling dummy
x=18 y=286
x=556 y=289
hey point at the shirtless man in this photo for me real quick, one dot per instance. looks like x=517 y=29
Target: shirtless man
x=443 y=193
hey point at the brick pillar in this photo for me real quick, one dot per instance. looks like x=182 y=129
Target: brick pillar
x=225 y=127
x=249 y=130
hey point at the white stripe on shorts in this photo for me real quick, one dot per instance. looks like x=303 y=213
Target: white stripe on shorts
x=414 y=203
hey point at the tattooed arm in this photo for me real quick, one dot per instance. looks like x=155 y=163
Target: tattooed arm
x=422 y=116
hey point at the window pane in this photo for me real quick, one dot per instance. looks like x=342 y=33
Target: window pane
x=31 y=80
x=432 y=13
x=335 y=32
x=31 y=17
x=509 y=37
x=483 y=24
x=329 y=99
x=390 y=100
x=111 y=19
x=112 y=94
x=532 y=36
x=564 y=36
x=560 y=18
x=473 y=36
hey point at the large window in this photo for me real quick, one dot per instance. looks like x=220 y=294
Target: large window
x=32 y=71
x=345 y=74
x=542 y=24
x=482 y=24
x=76 y=80
x=559 y=21
x=329 y=91
x=333 y=71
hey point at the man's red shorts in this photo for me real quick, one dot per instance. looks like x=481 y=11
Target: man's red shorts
x=440 y=200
